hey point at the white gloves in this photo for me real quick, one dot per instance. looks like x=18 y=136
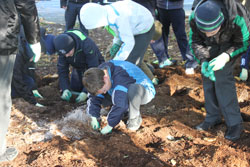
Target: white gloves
x=36 y=49
x=244 y=74
x=218 y=62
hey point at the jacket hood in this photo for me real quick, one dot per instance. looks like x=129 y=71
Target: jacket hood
x=93 y=15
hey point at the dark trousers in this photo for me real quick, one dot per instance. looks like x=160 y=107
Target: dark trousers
x=72 y=12
x=137 y=54
x=176 y=18
x=221 y=97
x=29 y=82
x=76 y=81
x=6 y=71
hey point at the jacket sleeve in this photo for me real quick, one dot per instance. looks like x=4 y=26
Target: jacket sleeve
x=127 y=38
x=63 y=72
x=18 y=83
x=29 y=19
x=196 y=43
x=120 y=106
x=240 y=41
x=94 y=105
x=91 y=52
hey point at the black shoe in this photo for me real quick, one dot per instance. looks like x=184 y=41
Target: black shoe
x=207 y=125
x=233 y=133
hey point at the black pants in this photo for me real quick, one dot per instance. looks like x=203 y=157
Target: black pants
x=72 y=12
x=221 y=97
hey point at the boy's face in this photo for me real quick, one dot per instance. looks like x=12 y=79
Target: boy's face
x=212 y=33
x=106 y=86
x=70 y=53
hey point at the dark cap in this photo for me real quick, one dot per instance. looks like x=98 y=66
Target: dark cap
x=208 y=16
x=63 y=43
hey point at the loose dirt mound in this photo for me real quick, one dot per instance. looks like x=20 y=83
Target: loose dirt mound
x=59 y=135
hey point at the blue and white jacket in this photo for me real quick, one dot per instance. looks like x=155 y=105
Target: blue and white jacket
x=122 y=74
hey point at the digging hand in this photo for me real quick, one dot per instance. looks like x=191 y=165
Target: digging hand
x=107 y=129
x=94 y=123
x=37 y=94
x=81 y=97
x=66 y=95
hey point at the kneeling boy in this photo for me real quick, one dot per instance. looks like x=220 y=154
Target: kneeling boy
x=125 y=85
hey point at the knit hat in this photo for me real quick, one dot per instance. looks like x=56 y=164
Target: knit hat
x=208 y=16
x=93 y=15
x=63 y=43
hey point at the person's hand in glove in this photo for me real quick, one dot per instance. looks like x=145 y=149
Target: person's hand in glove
x=66 y=95
x=244 y=74
x=39 y=105
x=81 y=97
x=218 y=62
x=36 y=49
x=114 y=49
x=107 y=129
x=94 y=123
x=206 y=72
x=37 y=94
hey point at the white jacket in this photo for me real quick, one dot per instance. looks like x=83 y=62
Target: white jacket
x=127 y=19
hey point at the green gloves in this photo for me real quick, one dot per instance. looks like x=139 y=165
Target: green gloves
x=94 y=123
x=207 y=72
x=37 y=94
x=244 y=74
x=39 y=105
x=114 y=49
x=155 y=81
x=36 y=49
x=66 y=95
x=81 y=97
x=218 y=62
x=107 y=129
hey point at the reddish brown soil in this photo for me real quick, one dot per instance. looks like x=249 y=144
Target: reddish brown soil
x=166 y=138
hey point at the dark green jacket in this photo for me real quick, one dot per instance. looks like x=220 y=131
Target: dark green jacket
x=232 y=38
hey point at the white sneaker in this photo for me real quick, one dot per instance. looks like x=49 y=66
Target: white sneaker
x=10 y=154
x=189 y=71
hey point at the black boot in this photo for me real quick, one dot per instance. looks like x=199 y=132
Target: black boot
x=233 y=133
x=207 y=125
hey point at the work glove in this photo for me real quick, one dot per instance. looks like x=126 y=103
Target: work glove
x=37 y=94
x=36 y=49
x=81 y=97
x=66 y=95
x=107 y=129
x=114 y=49
x=39 y=105
x=94 y=123
x=206 y=72
x=218 y=62
x=244 y=74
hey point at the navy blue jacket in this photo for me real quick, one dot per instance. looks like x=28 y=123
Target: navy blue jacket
x=122 y=74
x=86 y=55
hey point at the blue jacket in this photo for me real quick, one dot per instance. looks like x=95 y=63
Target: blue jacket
x=86 y=55
x=122 y=74
x=169 y=4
